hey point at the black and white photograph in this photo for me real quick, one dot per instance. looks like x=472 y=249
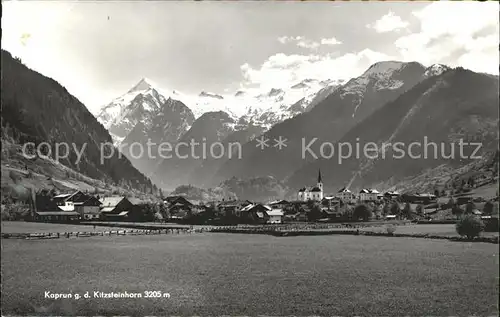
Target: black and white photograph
x=249 y=158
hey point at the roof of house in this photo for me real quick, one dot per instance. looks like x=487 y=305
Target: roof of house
x=330 y=198
x=425 y=195
x=177 y=199
x=69 y=196
x=66 y=207
x=62 y=196
x=392 y=193
x=310 y=189
x=234 y=203
x=108 y=209
x=136 y=201
x=278 y=202
x=256 y=206
x=344 y=190
x=369 y=191
x=172 y=198
x=57 y=213
x=91 y=201
x=111 y=201
x=247 y=208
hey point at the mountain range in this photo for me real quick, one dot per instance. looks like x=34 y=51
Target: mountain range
x=149 y=113
x=390 y=102
x=146 y=101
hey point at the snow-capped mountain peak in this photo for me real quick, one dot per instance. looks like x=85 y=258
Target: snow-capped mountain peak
x=383 y=68
x=435 y=70
x=143 y=104
x=257 y=107
x=143 y=84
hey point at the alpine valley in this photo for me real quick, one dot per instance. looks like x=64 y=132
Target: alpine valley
x=390 y=102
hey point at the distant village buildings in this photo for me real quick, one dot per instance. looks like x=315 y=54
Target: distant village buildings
x=312 y=193
x=312 y=204
x=345 y=194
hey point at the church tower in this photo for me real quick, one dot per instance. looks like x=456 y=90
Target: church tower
x=320 y=182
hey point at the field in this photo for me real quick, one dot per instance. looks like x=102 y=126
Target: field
x=216 y=274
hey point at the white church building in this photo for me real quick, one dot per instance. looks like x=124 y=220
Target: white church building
x=312 y=193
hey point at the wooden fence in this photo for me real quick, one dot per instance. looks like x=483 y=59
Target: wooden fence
x=83 y=234
x=294 y=227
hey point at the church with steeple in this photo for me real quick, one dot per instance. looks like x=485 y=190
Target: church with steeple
x=312 y=193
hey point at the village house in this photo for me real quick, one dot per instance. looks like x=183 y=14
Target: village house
x=420 y=198
x=392 y=194
x=116 y=208
x=56 y=216
x=232 y=207
x=69 y=208
x=181 y=200
x=312 y=193
x=329 y=203
x=345 y=194
x=279 y=204
x=87 y=206
x=254 y=214
x=89 y=209
x=179 y=207
x=275 y=216
x=369 y=194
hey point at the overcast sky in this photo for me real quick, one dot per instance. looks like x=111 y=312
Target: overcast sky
x=99 y=50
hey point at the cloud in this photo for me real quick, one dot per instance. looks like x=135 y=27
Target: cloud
x=288 y=39
x=282 y=71
x=300 y=41
x=330 y=41
x=308 y=44
x=387 y=23
x=471 y=29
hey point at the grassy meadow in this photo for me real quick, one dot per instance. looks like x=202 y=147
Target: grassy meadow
x=217 y=274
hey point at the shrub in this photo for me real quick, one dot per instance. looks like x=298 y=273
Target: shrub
x=456 y=210
x=469 y=226
x=15 y=211
x=488 y=208
x=407 y=211
x=14 y=176
x=395 y=209
x=469 y=208
x=362 y=211
x=420 y=210
x=491 y=225
x=391 y=229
